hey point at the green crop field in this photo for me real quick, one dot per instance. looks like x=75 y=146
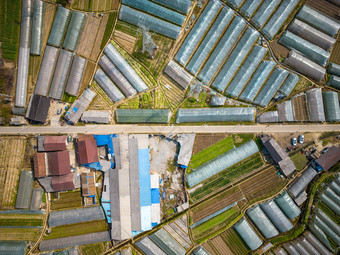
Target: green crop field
x=21 y=222
x=19 y=234
x=235 y=242
x=300 y=161
x=67 y=200
x=109 y=28
x=90 y=249
x=240 y=139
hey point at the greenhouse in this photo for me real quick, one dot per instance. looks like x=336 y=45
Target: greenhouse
x=309 y=50
x=333 y=69
x=279 y=17
x=276 y=216
x=143 y=116
x=298 y=246
x=257 y=80
x=335 y=187
x=291 y=249
x=149 y=247
x=24 y=195
x=264 y=12
x=270 y=87
x=301 y=183
x=59 y=26
x=320 y=235
x=262 y=222
x=280 y=251
x=326 y=229
x=318 y=20
x=37 y=197
x=235 y=3
x=168 y=244
x=215 y=114
x=316 y=243
x=308 y=246
x=117 y=59
x=156 y=10
x=210 y=40
x=330 y=203
x=60 y=74
x=315 y=105
x=334 y=81
x=217 y=101
x=46 y=70
x=311 y=34
x=13 y=247
x=178 y=74
x=332 y=195
x=182 y=6
x=197 y=32
x=287 y=205
x=249 y=8
x=74 y=30
x=76 y=75
x=246 y=70
x=235 y=59
x=221 y=163
x=331 y=103
x=305 y=66
x=106 y=84
x=268 y=117
x=37 y=27
x=332 y=224
x=289 y=84
x=248 y=234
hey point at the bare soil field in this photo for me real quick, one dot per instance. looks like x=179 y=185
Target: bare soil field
x=126 y=41
x=326 y=8
x=220 y=246
x=209 y=249
x=95 y=5
x=279 y=50
x=335 y=54
x=99 y=37
x=174 y=94
x=90 y=67
x=203 y=141
x=300 y=108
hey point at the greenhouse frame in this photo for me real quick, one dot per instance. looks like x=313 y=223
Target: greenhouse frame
x=301 y=183
x=289 y=84
x=74 y=30
x=287 y=205
x=249 y=8
x=107 y=85
x=331 y=103
x=263 y=13
x=178 y=74
x=182 y=6
x=248 y=234
x=315 y=105
x=59 y=26
x=37 y=27
x=76 y=75
x=143 y=116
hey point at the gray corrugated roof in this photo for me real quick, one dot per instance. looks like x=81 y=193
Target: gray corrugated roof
x=25 y=190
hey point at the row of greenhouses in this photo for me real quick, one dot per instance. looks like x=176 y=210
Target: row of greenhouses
x=334 y=75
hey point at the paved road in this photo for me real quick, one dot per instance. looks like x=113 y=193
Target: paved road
x=136 y=129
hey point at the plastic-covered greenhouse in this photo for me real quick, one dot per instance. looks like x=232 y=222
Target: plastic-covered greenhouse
x=285 y=111
x=138 y=18
x=330 y=203
x=291 y=249
x=59 y=26
x=279 y=17
x=60 y=74
x=117 y=59
x=13 y=247
x=74 y=30
x=156 y=10
x=249 y=7
x=106 y=84
x=197 y=32
x=182 y=6
x=46 y=70
x=298 y=246
x=331 y=194
x=116 y=76
x=276 y=216
x=178 y=74
x=262 y=222
x=76 y=75
x=334 y=81
x=221 y=163
x=318 y=20
x=268 y=117
x=215 y=114
x=280 y=251
x=326 y=229
x=287 y=205
x=37 y=27
x=149 y=247
x=331 y=103
x=248 y=234
x=222 y=49
x=309 y=50
x=166 y=242
x=301 y=183
x=333 y=69
x=258 y=79
x=270 y=87
x=143 y=116
x=25 y=190
x=316 y=230
x=217 y=101
x=210 y=40
x=289 y=84
x=235 y=59
x=335 y=187
x=235 y=3
x=246 y=70
x=264 y=12
x=308 y=246
x=317 y=244
x=311 y=34
x=315 y=105
x=305 y=66
x=331 y=223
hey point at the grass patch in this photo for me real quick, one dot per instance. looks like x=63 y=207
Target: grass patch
x=21 y=222
x=240 y=139
x=193 y=103
x=68 y=98
x=292 y=234
x=300 y=161
x=67 y=200
x=108 y=30
x=90 y=249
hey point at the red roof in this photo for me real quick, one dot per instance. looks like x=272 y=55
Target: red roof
x=87 y=151
x=64 y=182
x=59 y=162
x=329 y=158
x=39 y=165
x=55 y=143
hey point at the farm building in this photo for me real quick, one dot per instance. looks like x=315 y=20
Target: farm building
x=268 y=117
x=76 y=75
x=88 y=184
x=107 y=85
x=287 y=205
x=178 y=74
x=285 y=111
x=13 y=247
x=58 y=162
x=301 y=183
x=63 y=182
x=249 y=236
x=289 y=84
x=327 y=160
x=279 y=156
x=155 y=201
x=74 y=30
x=315 y=105
x=52 y=143
x=37 y=109
x=86 y=151
x=143 y=116
x=316 y=243
x=37 y=197
x=102 y=117
x=25 y=190
x=37 y=27
x=40 y=166
x=332 y=108
x=59 y=26
x=17 y=121
x=186 y=142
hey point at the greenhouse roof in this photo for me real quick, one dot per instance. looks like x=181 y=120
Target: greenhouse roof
x=143 y=116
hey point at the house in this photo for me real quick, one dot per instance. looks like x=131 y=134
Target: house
x=59 y=162
x=328 y=159
x=40 y=166
x=87 y=150
x=64 y=182
x=38 y=109
x=52 y=143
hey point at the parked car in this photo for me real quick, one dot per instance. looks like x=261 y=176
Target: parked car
x=301 y=138
x=294 y=141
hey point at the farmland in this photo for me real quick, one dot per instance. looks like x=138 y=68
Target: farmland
x=21 y=220
x=19 y=234
x=173 y=93
x=335 y=55
x=127 y=41
x=96 y=50
x=67 y=200
x=94 y=5
x=203 y=141
x=90 y=249
x=300 y=108
x=108 y=29
x=300 y=161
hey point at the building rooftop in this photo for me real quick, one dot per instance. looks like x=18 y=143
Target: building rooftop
x=59 y=162
x=39 y=162
x=64 y=182
x=88 y=184
x=52 y=143
x=38 y=108
x=87 y=151
x=329 y=158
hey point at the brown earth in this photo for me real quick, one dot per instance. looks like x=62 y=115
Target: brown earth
x=126 y=41
x=335 y=54
x=221 y=246
x=300 y=108
x=99 y=38
x=208 y=248
x=203 y=141
x=326 y=8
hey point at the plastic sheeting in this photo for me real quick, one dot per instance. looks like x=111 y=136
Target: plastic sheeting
x=156 y=10
x=285 y=111
x=106 y=84
x=277 y=217
x=143 y=116
x=59 y=26
x=316 y=230
x=248 y=234
x=258 y=79
x=311 y=34
x=330 y=203
x=197 y=32
x=331 y=103
x=221 y=163
x=138 y=18
x=270 y=87
x=308 y=246
x=279 y=17
x=289 y=84
x=215 y=114
x=46 y=70
x=235 y=3
x=323 y=216
x=60 y=74
x=333 y=69
x=182 y=6
x=264 y=12
x=301 y=250
x=334 y=81
x=305 y=66
x=301 y=183
x=291 y=249
x=235 y=59
x=335 y=187
x=178 y=74
x=217 y=101
x=222 y=49
x=332 y=195
x=74 y=30
x=326 y=229
x=262 y=222
x=246 y=71
x=166 y=242
x=76 y=76
x=309 y=50
x=318 y=20
x=315 y=105
x=117 y=59
x=249 y=7
x=287 y=205
x=317 y=244
x=37 y=26
x=116 y=76
x=210 y=40
x=24 y=195
x=268 y=117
